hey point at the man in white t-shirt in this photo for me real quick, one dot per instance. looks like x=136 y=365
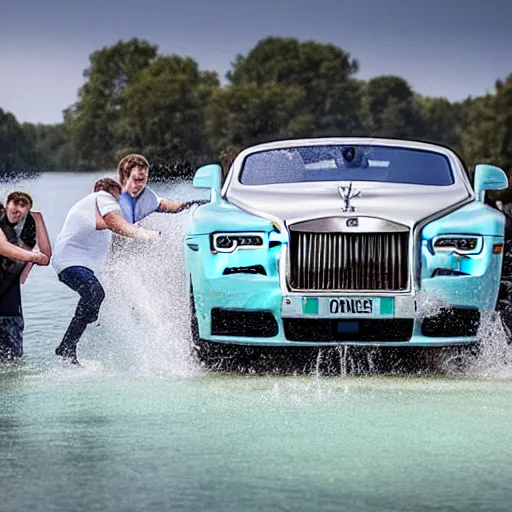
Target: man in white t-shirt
x=80 y=250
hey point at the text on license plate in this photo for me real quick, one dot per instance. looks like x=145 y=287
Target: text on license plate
x=342 y=306
x=348 y=306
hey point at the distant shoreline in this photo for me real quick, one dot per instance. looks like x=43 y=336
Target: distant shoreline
x=23 y=175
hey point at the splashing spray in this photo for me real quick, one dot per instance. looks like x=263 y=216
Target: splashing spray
x=143 y=322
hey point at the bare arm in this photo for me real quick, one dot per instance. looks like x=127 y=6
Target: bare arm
x=114 y=221
x=168 y=206
x=42 y=238
x=17 y=253
x=119 y=225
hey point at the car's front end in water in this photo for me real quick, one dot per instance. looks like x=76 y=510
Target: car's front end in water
x=318 y=242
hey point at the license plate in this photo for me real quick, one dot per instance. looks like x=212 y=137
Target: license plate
x=347 y=307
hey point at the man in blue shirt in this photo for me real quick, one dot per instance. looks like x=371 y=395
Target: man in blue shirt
x=137 y=199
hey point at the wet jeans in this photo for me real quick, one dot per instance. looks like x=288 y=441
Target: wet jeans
x=84 y=282
x=11 y=337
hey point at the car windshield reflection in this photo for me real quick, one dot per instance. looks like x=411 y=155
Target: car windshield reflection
x=347 y=163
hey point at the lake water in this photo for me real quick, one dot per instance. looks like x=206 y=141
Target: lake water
x=140 y=427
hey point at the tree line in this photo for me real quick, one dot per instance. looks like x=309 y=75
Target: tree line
x=135 y=99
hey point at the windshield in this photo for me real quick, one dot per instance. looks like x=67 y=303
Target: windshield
x=347 y=163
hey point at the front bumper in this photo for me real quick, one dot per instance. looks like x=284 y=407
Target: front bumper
x=253 y=310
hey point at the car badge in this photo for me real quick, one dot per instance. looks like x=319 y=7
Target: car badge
x=348 y=193
x=352 y=222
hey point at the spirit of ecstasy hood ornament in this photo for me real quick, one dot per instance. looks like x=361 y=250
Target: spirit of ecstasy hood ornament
x=348 y=193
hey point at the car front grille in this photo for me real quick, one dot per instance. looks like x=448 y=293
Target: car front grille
x=349 y=261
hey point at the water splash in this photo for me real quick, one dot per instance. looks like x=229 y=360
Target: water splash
x=494 y=359
x=143 y=325
x=491 y=359
x=428 y=304
x=144 y=332
x=342 y=352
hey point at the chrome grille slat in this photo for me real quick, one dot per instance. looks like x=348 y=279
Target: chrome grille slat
x=339 y=274
x=349 y=261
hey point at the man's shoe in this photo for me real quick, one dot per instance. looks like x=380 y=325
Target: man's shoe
x=67 y=351
x=61 y=349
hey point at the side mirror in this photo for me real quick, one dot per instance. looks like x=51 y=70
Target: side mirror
x=209 y=176
x=489 y=177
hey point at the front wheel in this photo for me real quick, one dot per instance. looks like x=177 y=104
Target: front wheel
x=504 y=306
x=207 y=354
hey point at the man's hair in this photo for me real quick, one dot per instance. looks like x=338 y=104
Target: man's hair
x=20 y=197
x=108 y=185
x=128 y=163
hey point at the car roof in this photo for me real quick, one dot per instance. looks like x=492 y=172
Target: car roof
x=384 y=141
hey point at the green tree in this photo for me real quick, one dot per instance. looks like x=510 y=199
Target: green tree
x=163 y=111
x=479 y=141
x=92 y=120
x=441 y=121
x=16 y=151
x=330 y=94
x=503 y=108
x=487 y=133
x=245 y=114
x=52 y=146
x=389 y=108
x=166 y=107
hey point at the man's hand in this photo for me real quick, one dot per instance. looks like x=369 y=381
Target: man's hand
x=119 y=225
x=41 y=259
x=19 y=254
x=147 y=235
x=168 y=206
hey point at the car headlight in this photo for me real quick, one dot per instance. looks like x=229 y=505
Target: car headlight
x=230 y=242
x=459 y=244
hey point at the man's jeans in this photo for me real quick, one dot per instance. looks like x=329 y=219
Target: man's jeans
x=84 y=282
x=11 y=337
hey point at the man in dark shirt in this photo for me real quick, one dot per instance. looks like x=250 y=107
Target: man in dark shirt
x=17 y=241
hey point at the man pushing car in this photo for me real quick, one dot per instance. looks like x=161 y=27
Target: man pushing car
x=137 y=199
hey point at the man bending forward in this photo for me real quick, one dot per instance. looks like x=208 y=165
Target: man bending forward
x=80 y=250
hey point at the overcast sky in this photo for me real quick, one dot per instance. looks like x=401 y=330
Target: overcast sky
x=451 y=48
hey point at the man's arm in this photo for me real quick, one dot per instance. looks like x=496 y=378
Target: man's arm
x=42 y=237
x=169 y=206
x=109 y=216
x=119 y=225
x=17 y=253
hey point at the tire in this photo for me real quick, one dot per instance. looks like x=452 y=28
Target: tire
x=504 y=304
x=196 y=345
x=205 y=353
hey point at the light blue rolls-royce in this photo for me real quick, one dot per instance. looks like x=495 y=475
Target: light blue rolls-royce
x=360 y=241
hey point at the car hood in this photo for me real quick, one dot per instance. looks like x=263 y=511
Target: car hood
x=296 y=202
